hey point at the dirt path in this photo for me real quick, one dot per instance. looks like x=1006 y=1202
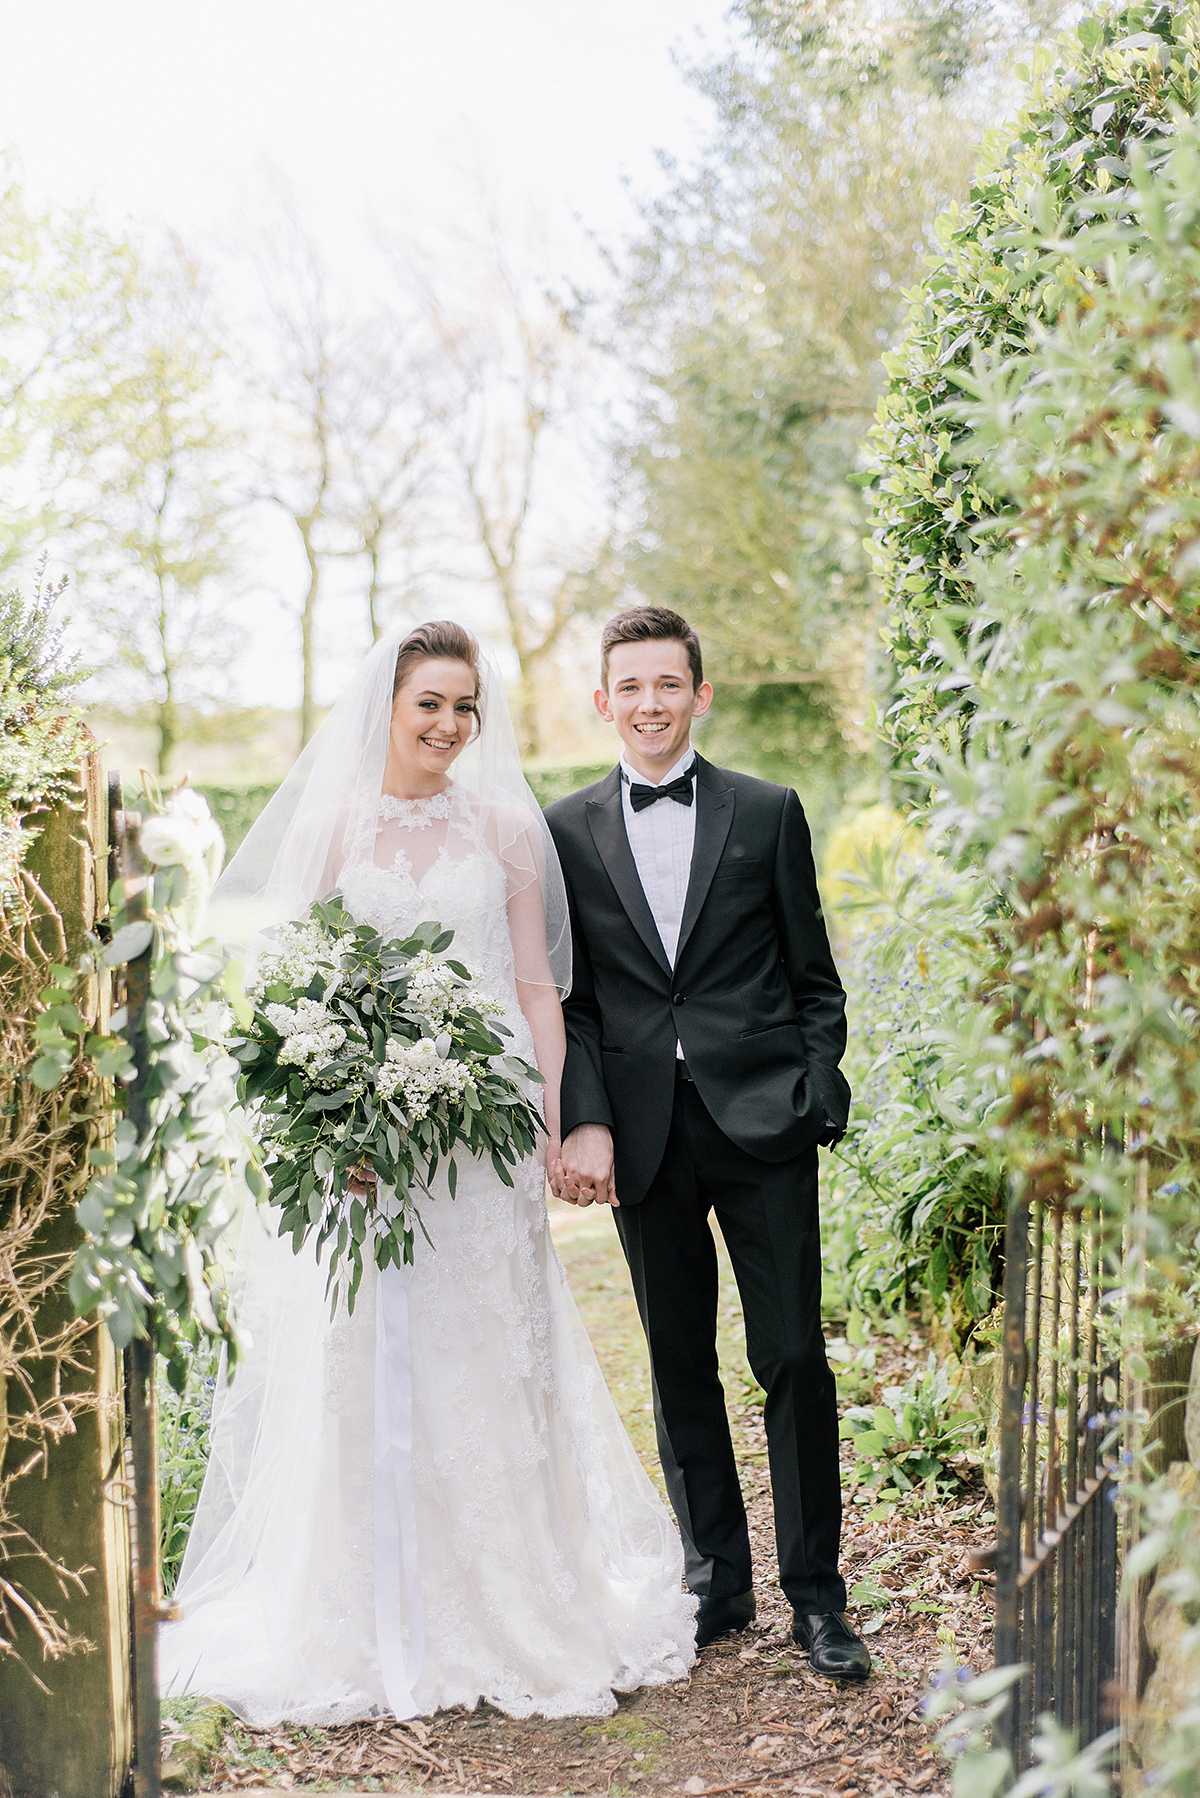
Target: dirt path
x=752 y=1717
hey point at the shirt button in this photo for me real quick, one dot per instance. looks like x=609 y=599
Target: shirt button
x=678 y=998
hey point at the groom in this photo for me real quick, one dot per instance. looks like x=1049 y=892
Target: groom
x=704 y=1030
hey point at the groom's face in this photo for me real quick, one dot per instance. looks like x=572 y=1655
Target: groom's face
x=652 y=702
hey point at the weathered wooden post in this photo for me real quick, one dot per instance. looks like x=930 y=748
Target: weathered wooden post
x=66 y=1726
x=148 y=1609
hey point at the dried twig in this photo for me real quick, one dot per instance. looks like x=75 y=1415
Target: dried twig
x=44 y=1141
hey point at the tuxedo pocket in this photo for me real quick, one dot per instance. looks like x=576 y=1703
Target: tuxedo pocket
x=764 y=1029
x=740 y=870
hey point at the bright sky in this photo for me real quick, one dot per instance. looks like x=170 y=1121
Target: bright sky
x=168 y=113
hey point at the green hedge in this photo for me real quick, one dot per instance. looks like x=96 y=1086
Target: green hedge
x=1123 y=78
x=550 y=784
x=236 y=805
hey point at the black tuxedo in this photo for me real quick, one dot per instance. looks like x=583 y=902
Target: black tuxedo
x=756 y=1004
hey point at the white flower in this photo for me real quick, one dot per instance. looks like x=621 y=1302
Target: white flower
x=310 y=1036
x=435 y=992
x=298 y=952
x=185 y=834
x=417 y=1073
x=184 y=831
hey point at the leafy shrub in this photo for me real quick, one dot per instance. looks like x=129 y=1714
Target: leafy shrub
x=1077 y=797
x=236 y=804
x=549 y=784
x=42 y=734
x=235 y=807
x=1064 y=762
x=919 y=1436
x=916 y=1209
x=1119 y=82
x=183 y=1445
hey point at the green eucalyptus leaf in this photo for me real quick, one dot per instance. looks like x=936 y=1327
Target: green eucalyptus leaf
x=128 y=943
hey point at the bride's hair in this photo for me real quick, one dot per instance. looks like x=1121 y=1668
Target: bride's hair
x=440 y=640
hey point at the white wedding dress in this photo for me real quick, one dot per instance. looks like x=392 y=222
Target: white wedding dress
x=432 y=1501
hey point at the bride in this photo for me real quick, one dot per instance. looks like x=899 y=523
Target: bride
x=432 y=1500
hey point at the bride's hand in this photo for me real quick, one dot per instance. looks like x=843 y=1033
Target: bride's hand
x=362 y=1180
x=554 y=1164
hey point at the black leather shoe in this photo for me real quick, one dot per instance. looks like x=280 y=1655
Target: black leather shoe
x=832 y=1645
x=722 y=1616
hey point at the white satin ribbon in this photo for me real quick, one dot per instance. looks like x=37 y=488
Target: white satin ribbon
x=396 y=1570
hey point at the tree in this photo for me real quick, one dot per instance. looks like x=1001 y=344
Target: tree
x=765 y=286
x=388 y=438
x=342 y=393
x=162 y=549
x=67 y=296
x=515 y=396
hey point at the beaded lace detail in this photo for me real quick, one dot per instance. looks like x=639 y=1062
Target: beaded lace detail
x=415 y=814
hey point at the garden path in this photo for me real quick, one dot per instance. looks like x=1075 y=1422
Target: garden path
x=752 y=1718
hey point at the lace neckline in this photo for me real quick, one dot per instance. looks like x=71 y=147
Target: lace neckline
x=415 y=814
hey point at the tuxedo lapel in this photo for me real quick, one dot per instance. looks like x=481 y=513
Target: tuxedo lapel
x=606 y=822
x=714 y=815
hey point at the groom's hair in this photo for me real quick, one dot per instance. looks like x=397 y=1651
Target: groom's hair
x=650 y=624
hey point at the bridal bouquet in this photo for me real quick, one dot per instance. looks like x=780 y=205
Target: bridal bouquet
x=371 y=1055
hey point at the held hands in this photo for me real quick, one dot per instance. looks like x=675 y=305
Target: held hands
x=584 y=1174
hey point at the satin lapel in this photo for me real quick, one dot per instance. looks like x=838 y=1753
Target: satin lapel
x=714 y=815
x=607 y=825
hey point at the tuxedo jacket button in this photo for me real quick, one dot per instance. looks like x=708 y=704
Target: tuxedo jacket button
x=677 y=998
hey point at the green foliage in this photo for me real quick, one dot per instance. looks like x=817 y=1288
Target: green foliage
x=42 y=734
x=549 y=784
x=67 y=291
x=1124 y=77
x=1056 y=731
x=785 y=731
x=983 y=1769
x=1075 y=789
x=763 y=288
x=184 y=1418
x=160 y=538
x=921 y=1436
x=179 y=1166
x=918 y=1209
x=236 y=806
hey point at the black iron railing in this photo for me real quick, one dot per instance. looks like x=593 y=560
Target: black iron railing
x=1056 y=1514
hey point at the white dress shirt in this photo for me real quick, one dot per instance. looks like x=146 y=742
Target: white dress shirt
x=662 y=837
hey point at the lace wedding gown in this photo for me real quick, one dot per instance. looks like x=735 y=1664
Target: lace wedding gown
x=433 y=1500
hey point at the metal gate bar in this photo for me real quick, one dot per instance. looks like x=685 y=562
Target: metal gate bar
x=1056 y=1519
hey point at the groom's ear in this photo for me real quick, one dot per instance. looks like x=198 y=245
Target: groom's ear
x=600 y=701
x=702 y=700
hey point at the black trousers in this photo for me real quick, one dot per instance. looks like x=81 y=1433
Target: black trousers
x=768 y=1217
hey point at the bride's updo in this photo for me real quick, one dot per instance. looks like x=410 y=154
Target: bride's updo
x=440 y=640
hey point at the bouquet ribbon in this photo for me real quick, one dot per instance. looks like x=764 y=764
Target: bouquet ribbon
x=396 y=1575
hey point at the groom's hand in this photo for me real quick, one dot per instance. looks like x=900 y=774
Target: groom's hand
x=586 y=1168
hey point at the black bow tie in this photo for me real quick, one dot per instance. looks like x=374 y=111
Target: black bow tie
x=681 y=790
